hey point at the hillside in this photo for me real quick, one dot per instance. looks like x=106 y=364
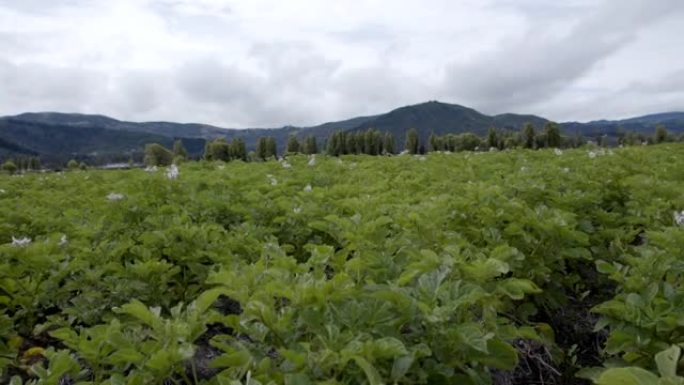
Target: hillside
x=56 y=142
x=8 y=148
x=436 y=117
x=673 y=121
x=443 y=118
x=189 y=130
x=60 y=135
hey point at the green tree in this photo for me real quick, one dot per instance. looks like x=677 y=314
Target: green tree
x=467 y=142
x=435 y=142
x=360 y=141
x=310 y=145
x=412 y=143
x=156 y=155
x=621 y=135
x=342 y=142
x=661 y=134
x=372 y=142
x=351 y=144
x=34 y=163
x=601 y=140
x=333 y=146
x=528 y=135
x=378 y=142
x=22 y=163
x=72 y=164
x=238 y=149
x=292 y=144
x=368 y=142
x=510 y=141
x=492 y=138
x=83 y=166
x=217 y=149
x=272 y=147
x=388 y=144
x=553 y=134
x=262 y=148
x=421 y=149
x=179 y=150
x=450 y=142
x=9 y=166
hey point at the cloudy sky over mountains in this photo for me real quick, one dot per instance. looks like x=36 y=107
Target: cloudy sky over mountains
x=269 y=63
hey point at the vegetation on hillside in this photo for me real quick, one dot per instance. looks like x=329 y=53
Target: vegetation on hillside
x=56 y=138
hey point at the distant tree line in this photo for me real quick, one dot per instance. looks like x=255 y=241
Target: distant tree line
x=221 y=149
x=266 y=148
x=661 y=135
x=375 y=142
x=21 y=164
x=307 y=146
x=370 y=142
x=527 y=137
x=73 y=164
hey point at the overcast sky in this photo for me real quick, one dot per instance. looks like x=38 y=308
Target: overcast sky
x=268 y=63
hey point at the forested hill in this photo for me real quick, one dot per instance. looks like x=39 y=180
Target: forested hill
x=442 y=118
x=60 y=135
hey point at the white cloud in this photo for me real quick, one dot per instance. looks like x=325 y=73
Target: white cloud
x=270 y=63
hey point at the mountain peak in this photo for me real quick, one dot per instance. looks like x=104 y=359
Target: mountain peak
x=442 y=118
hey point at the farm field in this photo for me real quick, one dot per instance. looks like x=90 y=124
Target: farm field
x=513 y=267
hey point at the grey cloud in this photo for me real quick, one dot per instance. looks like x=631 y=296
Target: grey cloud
x=378 y=88
x=192 y=8
x=201 y=60
x=282 y=87
x=140 y=92
x=625 y=103
x=210 y=81
x=39 y=87
x=672 y=82
x=37 y=6
x=295 y=84
x=293 y=64
x=367 y=32
x=538 y=65
x=236 y=95
x=546 y=9
x=191 y=18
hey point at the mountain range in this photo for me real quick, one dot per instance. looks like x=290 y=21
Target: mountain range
x=57 y=136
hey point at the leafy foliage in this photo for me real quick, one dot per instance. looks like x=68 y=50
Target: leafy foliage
x=350 y=270
x=156 y=155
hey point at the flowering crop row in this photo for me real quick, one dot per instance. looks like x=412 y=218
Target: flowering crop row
x=472 y=268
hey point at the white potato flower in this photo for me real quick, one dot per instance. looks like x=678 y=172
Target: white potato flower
x=172 y=173
x=115 y=197
x=20 y=242
x=679 y=218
